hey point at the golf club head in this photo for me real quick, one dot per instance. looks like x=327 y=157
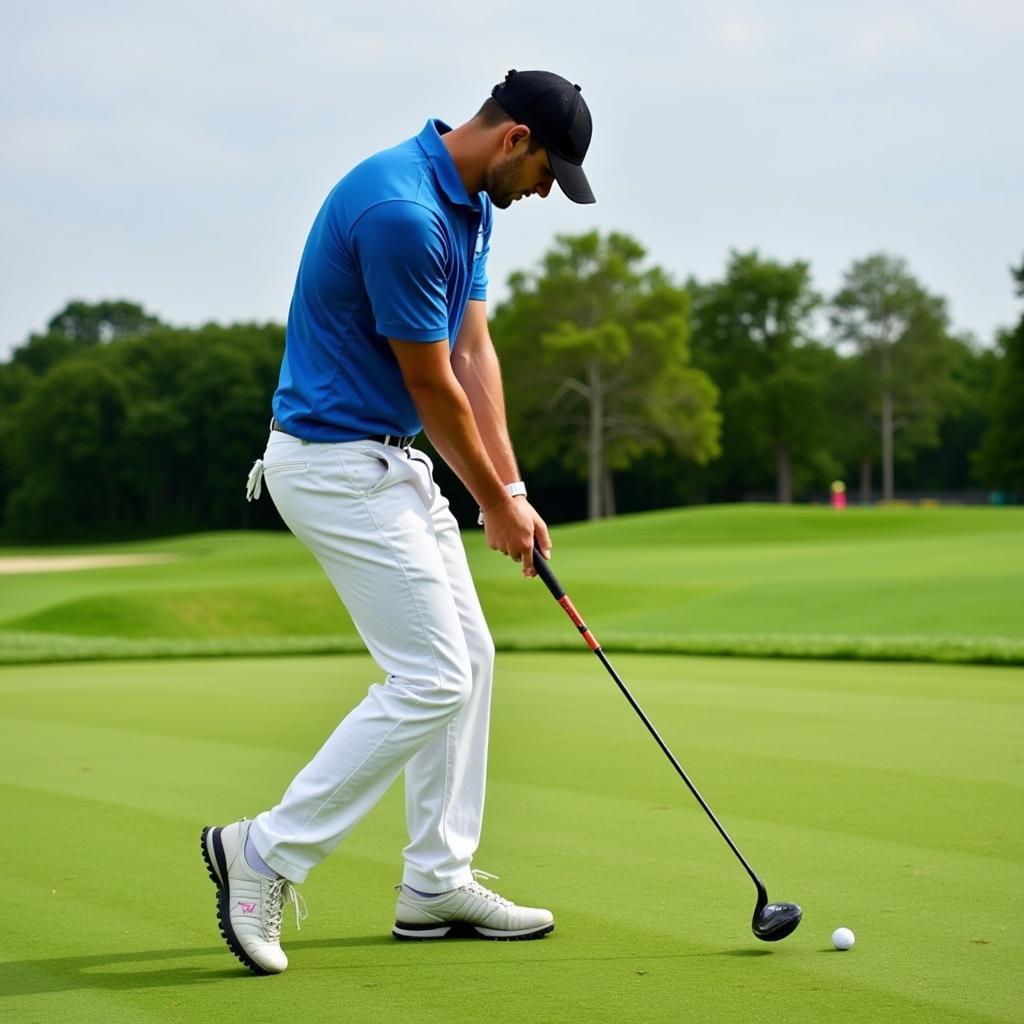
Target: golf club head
x=774 y=921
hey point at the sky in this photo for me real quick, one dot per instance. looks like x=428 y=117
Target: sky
x=176 y=154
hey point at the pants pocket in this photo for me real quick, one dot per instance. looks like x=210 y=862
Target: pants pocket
x=367 y=472
x=276 y=469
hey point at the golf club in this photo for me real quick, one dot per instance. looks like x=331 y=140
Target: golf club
x=771 y=921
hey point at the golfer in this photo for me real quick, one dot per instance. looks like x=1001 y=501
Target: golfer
x=387 y=335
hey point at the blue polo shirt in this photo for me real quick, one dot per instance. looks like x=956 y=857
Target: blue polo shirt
x=397 y=251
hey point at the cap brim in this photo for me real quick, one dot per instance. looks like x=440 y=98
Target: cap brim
x=571 y=179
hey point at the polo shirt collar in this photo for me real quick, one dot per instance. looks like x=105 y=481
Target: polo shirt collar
x=442 y=164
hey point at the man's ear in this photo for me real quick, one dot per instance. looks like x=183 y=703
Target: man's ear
x=514 y=137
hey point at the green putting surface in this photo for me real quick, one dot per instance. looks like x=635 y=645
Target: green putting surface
x=883 y=797
x=910 y=584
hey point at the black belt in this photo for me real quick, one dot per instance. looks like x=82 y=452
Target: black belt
x=391 y=440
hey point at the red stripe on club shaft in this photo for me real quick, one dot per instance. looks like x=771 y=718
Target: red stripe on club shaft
x=570 y=610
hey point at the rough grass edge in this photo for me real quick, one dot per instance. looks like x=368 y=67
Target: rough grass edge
x=23 y=648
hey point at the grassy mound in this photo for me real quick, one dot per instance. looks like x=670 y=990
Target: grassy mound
x=904 y=584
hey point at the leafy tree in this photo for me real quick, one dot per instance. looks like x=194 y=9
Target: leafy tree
x=60 y=451
x=144 y=434
x=14 y=382
x=948 y=466
x=900 y=334
x=81 y=324
x=752 y=335
x=76 y=328
x=852 y=428
x=595 y=353
x=1000 y=458
x=92 y=323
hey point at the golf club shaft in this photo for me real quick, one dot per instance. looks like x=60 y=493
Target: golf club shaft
x=559 y=594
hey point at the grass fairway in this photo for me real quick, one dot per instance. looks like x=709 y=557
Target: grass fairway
x=882 y=797
x=913 y=584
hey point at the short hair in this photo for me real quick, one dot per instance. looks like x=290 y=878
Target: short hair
x=492 y=114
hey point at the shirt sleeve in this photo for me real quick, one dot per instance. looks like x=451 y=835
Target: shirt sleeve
x=479 y=287
x=402 y=253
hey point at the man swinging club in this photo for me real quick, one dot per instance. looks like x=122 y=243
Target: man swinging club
x=387 y=335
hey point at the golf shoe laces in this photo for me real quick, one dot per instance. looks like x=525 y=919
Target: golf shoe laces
x=278 y=891
x=483 y=892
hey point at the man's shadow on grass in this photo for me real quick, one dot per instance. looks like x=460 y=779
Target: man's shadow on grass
x=125 y=971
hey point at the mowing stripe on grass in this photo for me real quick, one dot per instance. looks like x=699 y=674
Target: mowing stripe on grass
x=881 y=797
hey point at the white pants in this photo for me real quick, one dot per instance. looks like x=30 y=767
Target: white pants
x=378 y=524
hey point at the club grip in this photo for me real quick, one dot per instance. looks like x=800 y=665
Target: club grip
x=545 y=573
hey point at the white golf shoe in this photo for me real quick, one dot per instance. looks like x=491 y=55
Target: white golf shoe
x=249 y=905
x=471 y=910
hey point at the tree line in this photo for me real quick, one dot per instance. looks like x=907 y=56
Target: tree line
x=626 y=390
x=113 y=424
x=754 y=385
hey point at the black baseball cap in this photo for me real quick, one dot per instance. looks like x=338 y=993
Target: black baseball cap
x=558 y=118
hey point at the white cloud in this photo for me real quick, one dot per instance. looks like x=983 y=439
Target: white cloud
x=741 y=32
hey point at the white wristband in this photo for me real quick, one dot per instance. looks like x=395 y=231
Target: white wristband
x=515 y=489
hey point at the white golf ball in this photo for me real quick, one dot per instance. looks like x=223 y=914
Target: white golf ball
x=842 y=938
